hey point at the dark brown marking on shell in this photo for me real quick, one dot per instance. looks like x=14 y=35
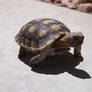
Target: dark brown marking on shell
x=26 y=42
x=33 y=44
x=17 y=38
x=21 y=41
x=66 y=29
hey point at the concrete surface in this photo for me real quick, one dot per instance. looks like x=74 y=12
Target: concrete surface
x=17 y=76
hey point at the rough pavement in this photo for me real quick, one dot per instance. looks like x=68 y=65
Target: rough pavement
x=17 y=76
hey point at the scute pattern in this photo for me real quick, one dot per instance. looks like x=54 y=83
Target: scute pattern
x=48 y=21
x=32 y=29
x=40 y=32
x=56 y=27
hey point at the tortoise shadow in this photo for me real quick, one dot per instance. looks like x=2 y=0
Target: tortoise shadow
x=58 y=64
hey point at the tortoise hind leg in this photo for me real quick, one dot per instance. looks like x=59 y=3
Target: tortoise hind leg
x=40 y=57
x=22 y=52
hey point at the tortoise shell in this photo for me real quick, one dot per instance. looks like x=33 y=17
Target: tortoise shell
x=39 y=33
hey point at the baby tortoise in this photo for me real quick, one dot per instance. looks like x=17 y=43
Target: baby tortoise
x=45 y=37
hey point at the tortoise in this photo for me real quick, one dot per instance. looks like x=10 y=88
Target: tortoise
x=47 y=37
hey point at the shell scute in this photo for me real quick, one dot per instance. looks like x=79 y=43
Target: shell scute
x=32 y=29
x=55 y=27
x=42 y=33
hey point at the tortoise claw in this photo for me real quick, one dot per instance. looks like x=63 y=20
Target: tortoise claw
x=78 y=57
x=35 y=60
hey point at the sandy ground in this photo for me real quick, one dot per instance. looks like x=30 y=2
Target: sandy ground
x=17 y=76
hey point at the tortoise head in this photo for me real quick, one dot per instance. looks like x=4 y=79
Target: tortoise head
x=73 y=39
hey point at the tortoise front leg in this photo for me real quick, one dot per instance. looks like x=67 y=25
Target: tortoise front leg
x=77 y=51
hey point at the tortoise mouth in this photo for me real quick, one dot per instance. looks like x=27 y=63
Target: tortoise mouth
x=75 y=44
x=80 y=42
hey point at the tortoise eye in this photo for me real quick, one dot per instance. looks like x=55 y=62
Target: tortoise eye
x=61 y=36
x=76 y=37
